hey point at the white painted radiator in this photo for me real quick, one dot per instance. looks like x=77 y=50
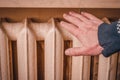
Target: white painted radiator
x=35 y=51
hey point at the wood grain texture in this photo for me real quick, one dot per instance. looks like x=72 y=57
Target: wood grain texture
x=61 y=3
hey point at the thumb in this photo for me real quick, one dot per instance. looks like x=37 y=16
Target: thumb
x=76 y=51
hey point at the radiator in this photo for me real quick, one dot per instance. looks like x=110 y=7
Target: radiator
x=33 y=50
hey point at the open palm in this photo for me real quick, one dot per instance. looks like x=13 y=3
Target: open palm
x=85 y=27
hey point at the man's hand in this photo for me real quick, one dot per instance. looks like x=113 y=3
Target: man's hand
x=85 y=27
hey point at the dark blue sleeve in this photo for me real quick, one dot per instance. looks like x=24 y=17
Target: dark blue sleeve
x=109 y=37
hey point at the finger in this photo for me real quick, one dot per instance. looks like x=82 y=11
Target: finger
x=71 y=28
x=77 y=51
x=84 y=51
x=89 y=16
x=81 y=17
x=73 y=20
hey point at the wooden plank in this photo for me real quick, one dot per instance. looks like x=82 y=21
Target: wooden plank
x=40 y=4
x=61 y=3
x=50 y=53
x=32 y=55
x=100 y=3
x=22 y=53
x=118 y=68
x=44 y=14
x=4 y=53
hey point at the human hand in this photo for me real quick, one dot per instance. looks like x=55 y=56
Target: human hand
x=84 y=26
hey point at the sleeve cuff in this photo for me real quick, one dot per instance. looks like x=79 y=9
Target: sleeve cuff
x=109 y=38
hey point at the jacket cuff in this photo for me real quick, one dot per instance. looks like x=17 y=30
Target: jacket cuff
x=109 y=37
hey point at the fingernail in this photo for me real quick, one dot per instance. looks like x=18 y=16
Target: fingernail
x=82 y=12
x=64 y=15
x=71 y=12
x=62 y=22
x=67 y=52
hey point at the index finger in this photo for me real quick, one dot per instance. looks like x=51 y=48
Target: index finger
x=71 y=28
